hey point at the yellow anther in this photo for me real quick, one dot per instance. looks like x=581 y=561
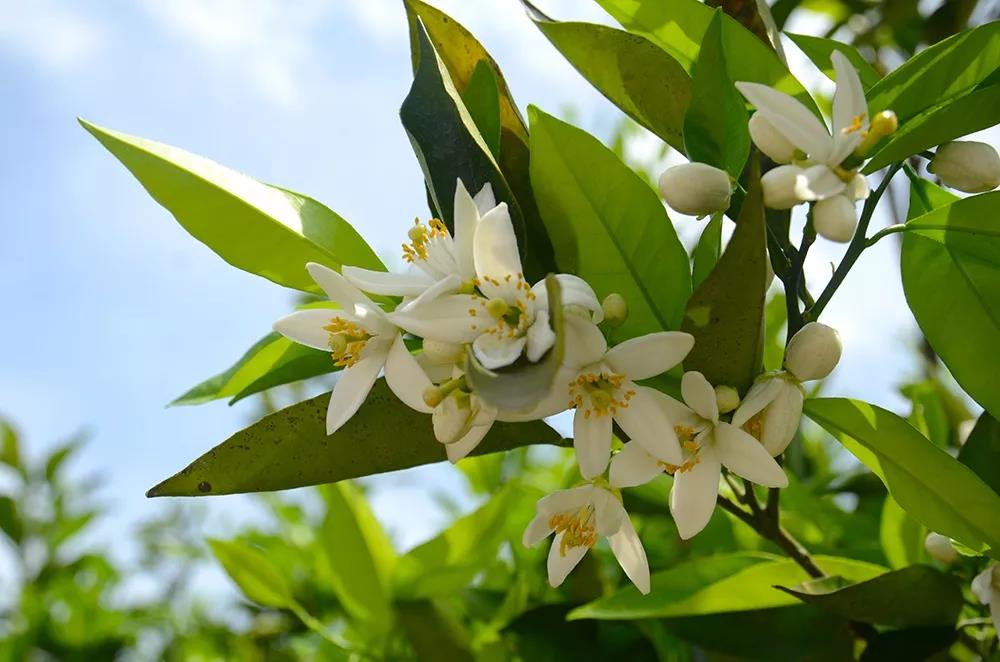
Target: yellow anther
x=346 y=341
x=577 y=528
x=857 y=123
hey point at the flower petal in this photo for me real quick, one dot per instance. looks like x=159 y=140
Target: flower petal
x=646 y=422
x=485 y=200
x=694 y=493
x=608 y=512
x=679 y=413
x=563 y=501
x=496 y=255
x=858 y=188
x=466 y=221
x=468 y=443
x=337 y=288
x=592 y=441
x=446 y=318
x=649 y=355
x=627 y=548
x=699 y=395
x=538 y=529
x=850 y=109
x=437 y=289
x=759 y=396
x=633 y=466
x=540 y=336
x=818 y=182
x=496 y=351
x=747 y=457
x=405 y=377
x=781 y=419
x=585 y=344
x=791 y=119
x=559 y=566
x=385 y=283
x=306 y=327
x=573 y=291
x=354 y=384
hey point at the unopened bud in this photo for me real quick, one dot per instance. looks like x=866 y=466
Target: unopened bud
x=727 y=399
x=778 y=185
x=813 y=352
x=771 y=141
x=615 y=309
x=940 y=548
x=696 y=189
x=967 y=165
x=835 y=218
x=442 y=353
x=882 y=125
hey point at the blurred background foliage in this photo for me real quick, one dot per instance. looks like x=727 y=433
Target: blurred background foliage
x=319 y=578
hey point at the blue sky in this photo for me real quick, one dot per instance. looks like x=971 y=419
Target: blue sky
x=112 y=310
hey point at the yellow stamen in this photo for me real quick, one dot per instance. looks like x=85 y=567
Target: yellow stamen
x=577 y=528
x=346 y=341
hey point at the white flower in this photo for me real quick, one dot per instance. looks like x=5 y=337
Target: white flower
x=696 y=189
x=818 y=175
x=604 y=390
x=966 y=165
x=577 y=517
x=506 y=317
x=940 y=548
x=359 y=336
x=771 y=141
x=835 y=218
x=432 y=252
x=813 y=352
x=709 y=444
x=986 y=587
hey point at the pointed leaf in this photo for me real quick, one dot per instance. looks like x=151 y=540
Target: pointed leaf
x=482 y=99
x=258 y=578
x=820 y=51
x=706 y=253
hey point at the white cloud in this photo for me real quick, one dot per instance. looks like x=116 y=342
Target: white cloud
x=47 y=33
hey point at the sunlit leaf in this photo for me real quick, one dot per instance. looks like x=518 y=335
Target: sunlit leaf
x=482 y=99
x=820 y=50
x=902 y=537
x=258 y=579
x=706 y=253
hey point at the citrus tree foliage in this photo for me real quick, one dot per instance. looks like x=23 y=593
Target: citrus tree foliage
x=550 y=278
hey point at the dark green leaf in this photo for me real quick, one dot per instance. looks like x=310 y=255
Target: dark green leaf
x=253 y=572
x=820 y=50
x=706 y=253
x=609 y=227
x=10 y=453
x=10 y=519
x=434 y=634
x=632 y=72
x=290 y=448
x=981 y=451
x=933 y=487
x=482 y=99
x=909 y=644
x=726 y=312
x=916 y=596
x=715 y=126
x=263 y=229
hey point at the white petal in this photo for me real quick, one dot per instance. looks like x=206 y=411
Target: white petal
x=818 y=182
x=497 y=351
x=337 y=288
x=633 y=466
x=496 y=254
x=451 y=421
x=560 y=566
x=386 y=283
x=466 y=221
x=540 y=336
x=485 y=200
x=573 y=291
x=538 y=529
x=592 y=441
x=354 y=384
x=649 y=355
x=585 y=344
x=858 y=188
x=405 y=377
x=849 y=99
x=437 y=289
x=608 y=512
x=781 y=419
x=679 y=414
x=791 y=119
x=995 y=610
x=646 y=422
x=306 y=327
x=627 y=548
x=778 y=185
x=446 y=318
x=699 y=395
x=564 y=501
x=759 y=396
x=694 y=493
x=746 y=457
x=468 y=443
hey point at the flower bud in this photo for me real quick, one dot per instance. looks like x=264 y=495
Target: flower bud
x=813 y=352
x=968 y=166
x=882 y=125
x=442 y=353
x=940 y=548
x=770 y=141
x=778 y=185
x=835 y=218
x=615 y=309
x=696 y=189
x=727 y=398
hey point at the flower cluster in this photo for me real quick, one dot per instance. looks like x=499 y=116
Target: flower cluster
x=465 y=297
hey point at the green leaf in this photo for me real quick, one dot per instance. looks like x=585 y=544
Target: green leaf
x=951 y=278
x=946 y=121
x=715 y=126
x=820 y=50
x=523 y=384
x=935 y=488
x=359 y=555
x=272 y=361
x=981 y=451
x=10 y=520
x=10 y=453
x=917 y=596
x=482 y=99
x=909 y=644
x=447 y=563
x=263 y=229
x=938 y=73
x=902 y=537
x=255 y=575
x=679 y=26
x=608 y=225
x=726 y=312
x=290 y=448
x=740 y=581
x=926 y=196
x=434 y=634
x=629 y=70
x=706 y=253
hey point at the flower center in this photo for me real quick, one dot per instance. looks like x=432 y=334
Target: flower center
x=686 y=436
x=420 y=236
x=602 y=390
x=346 y=341
x=856 y=123
x=577 y=528
x=755 y=426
